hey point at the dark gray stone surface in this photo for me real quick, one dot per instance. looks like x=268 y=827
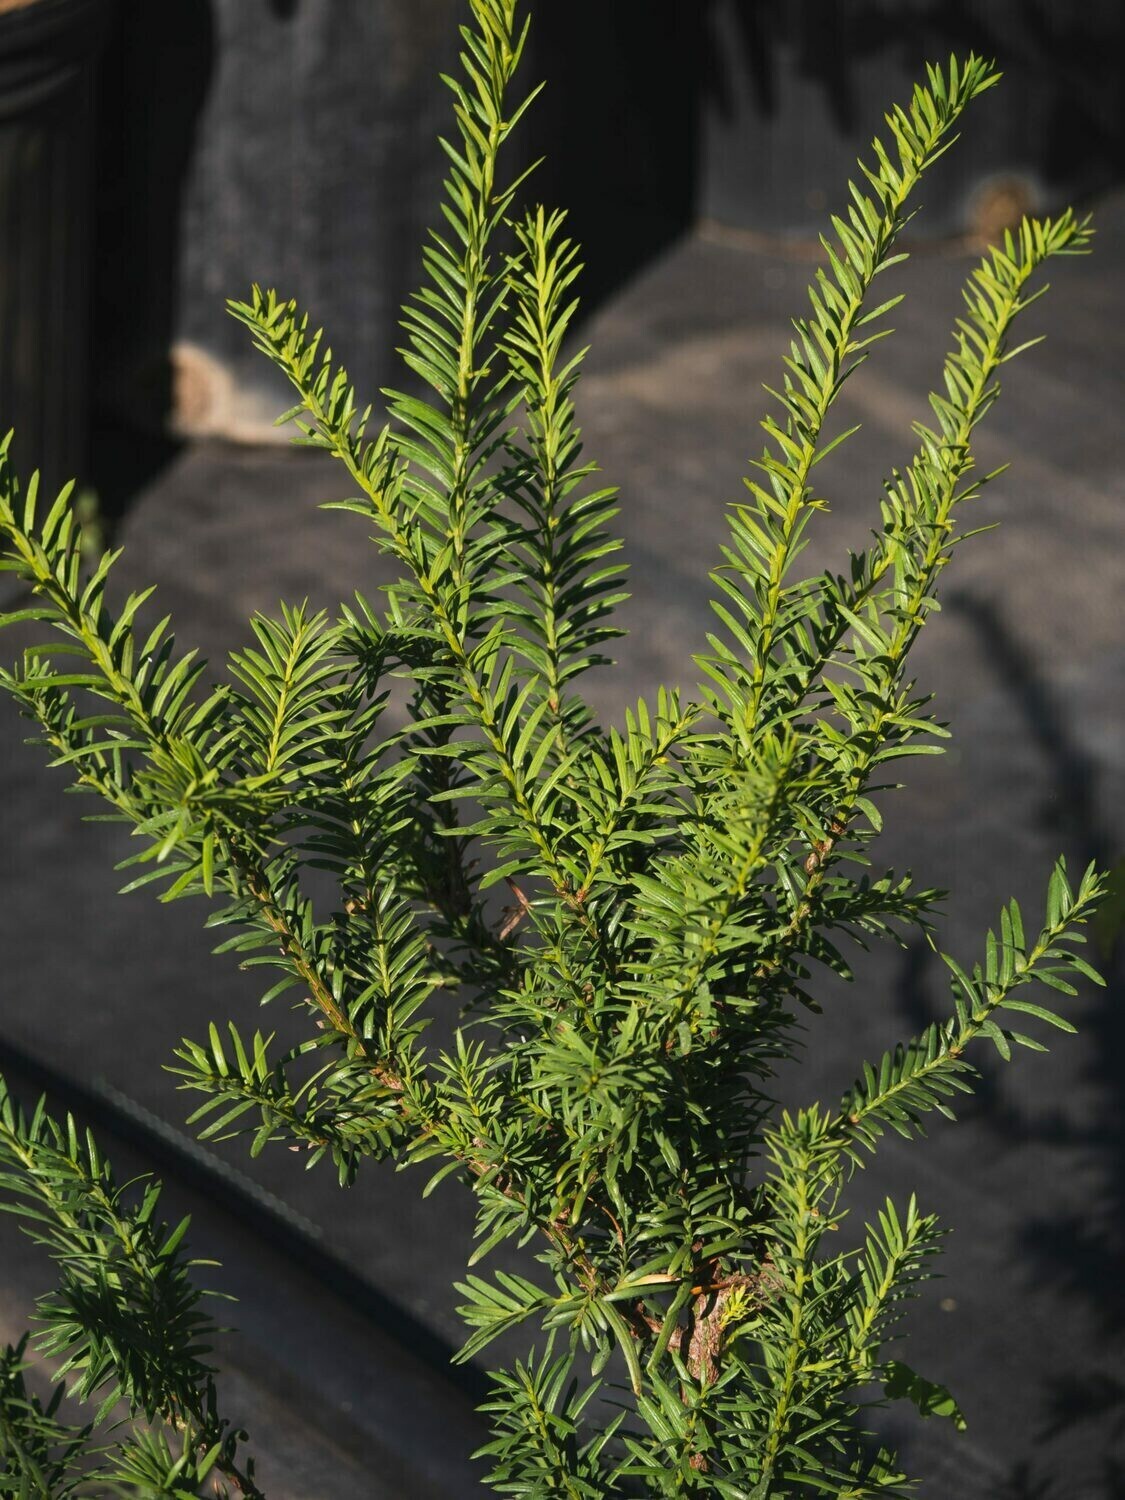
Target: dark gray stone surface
x=1028 y=662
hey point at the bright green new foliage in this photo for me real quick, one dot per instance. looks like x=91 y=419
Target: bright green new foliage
x=691 y=1328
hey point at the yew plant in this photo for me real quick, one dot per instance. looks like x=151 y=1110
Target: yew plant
x=664 y=891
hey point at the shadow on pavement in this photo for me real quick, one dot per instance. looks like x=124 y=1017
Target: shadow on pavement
x=1077 y=1257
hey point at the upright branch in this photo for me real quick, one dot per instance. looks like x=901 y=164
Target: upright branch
x=767 y=534
x=566 y=603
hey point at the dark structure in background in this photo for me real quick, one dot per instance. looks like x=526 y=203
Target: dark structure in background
x=618 y=126
x=154 y=81
x=48 y=52
x=791 y=91
x=292 y=142
x=279 y=141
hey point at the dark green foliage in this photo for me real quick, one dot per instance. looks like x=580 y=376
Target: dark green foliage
x=124 y=1324
x=38 y=1451
x=670 y=880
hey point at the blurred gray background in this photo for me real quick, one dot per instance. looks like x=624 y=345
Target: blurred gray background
x=157 y=159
